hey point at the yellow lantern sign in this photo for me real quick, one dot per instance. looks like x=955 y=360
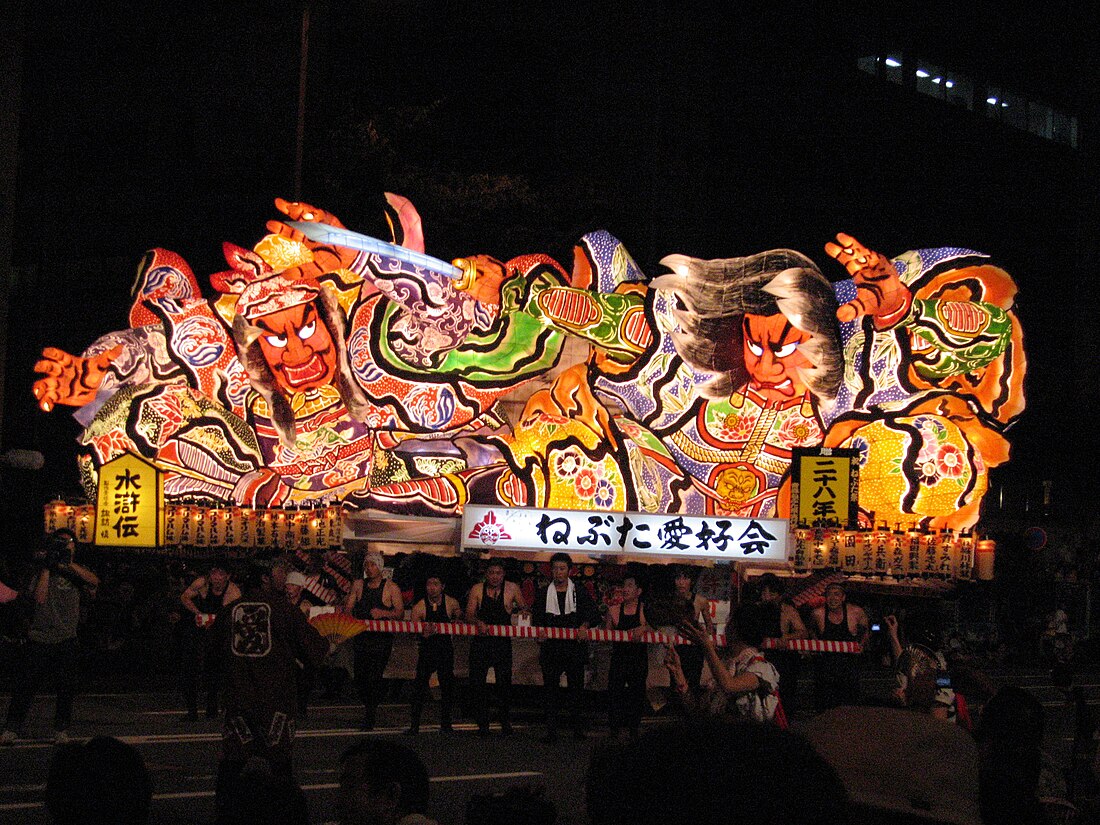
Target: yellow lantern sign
x=825 y=485
x=129 y=505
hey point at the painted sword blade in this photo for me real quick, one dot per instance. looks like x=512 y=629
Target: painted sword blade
x=323 y=233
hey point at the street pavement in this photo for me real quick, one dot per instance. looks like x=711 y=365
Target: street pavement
x=181 y=757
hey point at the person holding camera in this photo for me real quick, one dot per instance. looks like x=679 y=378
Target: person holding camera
x=51 y=648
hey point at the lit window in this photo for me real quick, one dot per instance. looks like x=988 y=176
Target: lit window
x=930 y=81
x=1065 y=129
x=1013 y=110
x=892 y=68
x=1040 y=119
x=959 y=91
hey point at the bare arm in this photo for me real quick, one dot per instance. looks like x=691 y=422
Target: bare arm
x=42 y=586
x=397 y=605
x=454 y=609
x=353 y=596
x=793 y=626
x=198 y=586
x=90 y=579
x=863 y=627
x=702 y=607
x=891 y=623
x=728 y=682
x=611 y=620
x=419 y=611
x=473 y=602
x=517 y=597
x=819 y=620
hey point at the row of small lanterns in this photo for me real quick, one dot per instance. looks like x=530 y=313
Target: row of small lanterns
x=190 y=525
x=912 y=553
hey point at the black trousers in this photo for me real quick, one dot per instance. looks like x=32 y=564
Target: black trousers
x=789 y=665
x=198 y=665
x=435 y=656
x=691 y=660
x=263 y=734
x=836 y=680
x=492 y=653
x=40 y=661
x=626 y=683
x=556 y=657
x=372 y=654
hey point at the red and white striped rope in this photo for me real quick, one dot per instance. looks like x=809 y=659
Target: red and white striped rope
x=814 y=646
x=594 y=635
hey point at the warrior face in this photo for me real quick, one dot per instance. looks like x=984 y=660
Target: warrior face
x=297 y=347
x=772 y=356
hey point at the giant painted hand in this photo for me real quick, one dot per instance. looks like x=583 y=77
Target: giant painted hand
x=880 y=292
x=70 y=379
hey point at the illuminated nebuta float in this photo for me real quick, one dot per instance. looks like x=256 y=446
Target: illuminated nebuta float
x=320 y=373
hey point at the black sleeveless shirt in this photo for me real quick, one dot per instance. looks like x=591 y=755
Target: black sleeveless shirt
x=371 y=598
x=491 y=609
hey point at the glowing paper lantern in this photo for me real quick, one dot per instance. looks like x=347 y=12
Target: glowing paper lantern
x=881 y=540
x=832 y=548
x=186 y=525
x=263 y=528
x=846 y=544
x=200 y=537
x=284 y=527
x=334 y=525
x=249 y=519
x=800 y=555
x=54 y=515
x=215 y=526
x=233 y=527
x=964 y=562
x=818 y=557
x=945 y=565
x=85 y=523
x=865 y=552
x=929 y=553
x=912 y=552
x=897 y=553
x=171 y=525
x=983 y=559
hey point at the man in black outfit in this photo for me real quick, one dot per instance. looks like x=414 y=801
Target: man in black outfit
x=562 y=604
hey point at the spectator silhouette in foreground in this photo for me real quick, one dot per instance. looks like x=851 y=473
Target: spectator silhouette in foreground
x=898 y=766
x=100 y=782
x=258 y=797
x=1015 y=773
x=382 y=783
x=713 y=771
x=521 y=805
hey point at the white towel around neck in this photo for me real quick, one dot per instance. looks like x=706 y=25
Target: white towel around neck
x=570 y=599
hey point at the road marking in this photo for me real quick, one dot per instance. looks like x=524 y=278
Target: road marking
x=199 y=738
x=322 y=786
x=312 y=708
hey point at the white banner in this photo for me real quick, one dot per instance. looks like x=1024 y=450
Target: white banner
x=603 y=534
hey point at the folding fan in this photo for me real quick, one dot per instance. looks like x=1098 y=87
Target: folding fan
x=337 y=627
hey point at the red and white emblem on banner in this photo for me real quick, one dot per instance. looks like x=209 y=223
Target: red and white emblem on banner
x=488 y=531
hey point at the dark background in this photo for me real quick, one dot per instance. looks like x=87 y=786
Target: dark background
x=708 y=129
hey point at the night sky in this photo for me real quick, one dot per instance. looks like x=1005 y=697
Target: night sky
x=679 y=127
